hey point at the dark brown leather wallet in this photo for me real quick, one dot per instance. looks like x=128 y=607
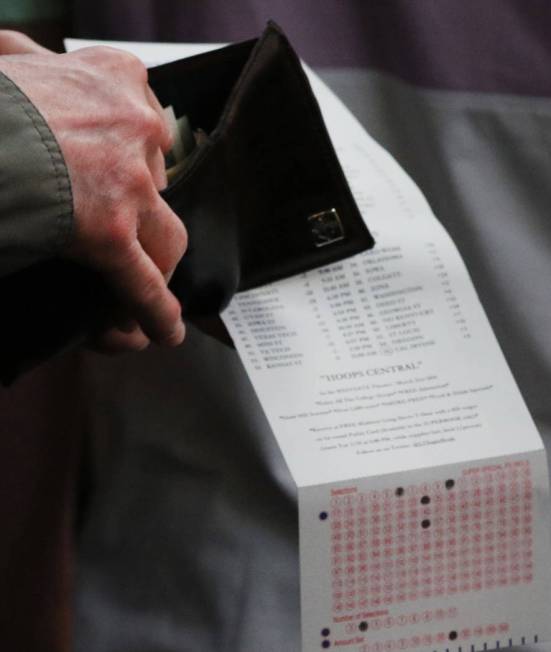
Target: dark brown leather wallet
x=263 y=197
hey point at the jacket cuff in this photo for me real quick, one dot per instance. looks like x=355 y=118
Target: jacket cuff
x=36 y=202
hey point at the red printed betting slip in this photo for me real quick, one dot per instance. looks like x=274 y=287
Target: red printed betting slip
x=422 y=481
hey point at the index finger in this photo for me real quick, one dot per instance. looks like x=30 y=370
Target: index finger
x=143 y=288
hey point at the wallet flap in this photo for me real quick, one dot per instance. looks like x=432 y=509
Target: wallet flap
x=296 y=210
x=284 y=192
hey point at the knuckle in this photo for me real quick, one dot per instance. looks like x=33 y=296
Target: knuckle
x=121 y=57
x=174 y=230
x=152 y=289
x=150 y=123
x=173 y=311
x=137 y=67
x=181 y=238
x=132 y=65
x=138 y=179
x=117 y=59
x=118 y=236
x=97 y=53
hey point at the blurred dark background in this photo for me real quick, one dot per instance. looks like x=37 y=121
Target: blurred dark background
x=497 y=45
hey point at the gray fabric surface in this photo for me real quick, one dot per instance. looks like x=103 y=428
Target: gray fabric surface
x=191 y=542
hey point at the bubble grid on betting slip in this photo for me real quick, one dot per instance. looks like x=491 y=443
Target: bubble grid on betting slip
x=453 y=536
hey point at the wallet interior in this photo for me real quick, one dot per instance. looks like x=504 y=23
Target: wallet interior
x=200 y=86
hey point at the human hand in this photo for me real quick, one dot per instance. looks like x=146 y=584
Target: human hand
x=112 y=134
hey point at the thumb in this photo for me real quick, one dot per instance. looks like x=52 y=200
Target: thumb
x=12 y=42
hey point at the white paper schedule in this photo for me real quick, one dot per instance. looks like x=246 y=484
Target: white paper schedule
x=422 y=482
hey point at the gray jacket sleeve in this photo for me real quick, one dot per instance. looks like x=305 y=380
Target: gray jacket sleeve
x=36 y=204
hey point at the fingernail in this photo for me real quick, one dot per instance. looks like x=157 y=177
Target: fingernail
x=176 y=337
